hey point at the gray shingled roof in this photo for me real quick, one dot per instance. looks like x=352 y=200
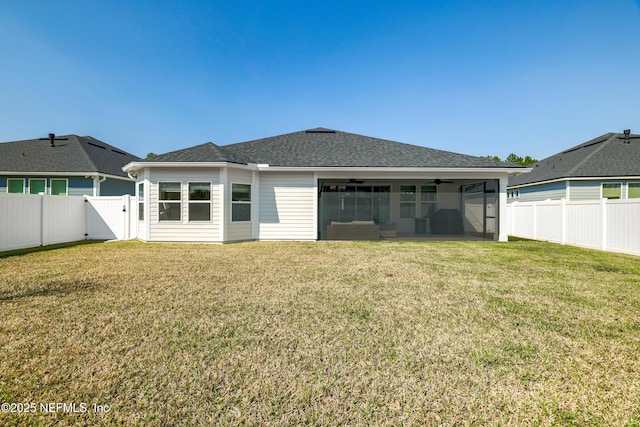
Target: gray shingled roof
x=607 y=155
x=75 y=154
x=208 y=152
x=322 y=147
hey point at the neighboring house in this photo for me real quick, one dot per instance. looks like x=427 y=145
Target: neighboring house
x=67 y=165
x=605 y=167
x=318 y=184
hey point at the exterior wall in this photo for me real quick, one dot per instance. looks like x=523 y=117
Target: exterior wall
x=76 y=185
x=553 y=191
x=236 y=231
x=183 y=230
x=116 y=187
x=287 y=206
x=584 y=190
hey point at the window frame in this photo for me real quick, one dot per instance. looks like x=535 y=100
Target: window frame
x=66 y=186
x=199 y=202
x=170 y=201
x=408 y=202
x=37 y=180
x=428 y=203
x=24 y=185
x=241 y=202
x=618 y=184
x=140 y=198
x=636 y=184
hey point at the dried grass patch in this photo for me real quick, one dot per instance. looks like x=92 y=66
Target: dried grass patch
x=356 y=333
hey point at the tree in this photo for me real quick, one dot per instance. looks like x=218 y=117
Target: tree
x=514 y=158
x=149 y=155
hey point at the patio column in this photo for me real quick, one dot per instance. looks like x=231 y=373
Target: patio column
x=502 y=210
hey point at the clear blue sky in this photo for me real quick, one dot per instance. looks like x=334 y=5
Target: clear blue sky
x=475 y=77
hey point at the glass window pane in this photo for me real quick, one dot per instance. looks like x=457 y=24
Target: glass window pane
x=141 y=191
x=611 y=191
x=37 y=186
x=199 y=191
x=407 y=210
x=199 y=211
x=15 y=186
x=59 y=187
x=428 y=193
x=169 y=191
x=140 y=211
x=240 y=192
x=407 y=193
x=634 y=190
x=241 y=212
x=169 y=211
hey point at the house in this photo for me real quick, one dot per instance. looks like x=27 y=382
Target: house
x=604 y=167
x=68 y=165
x=318 y=184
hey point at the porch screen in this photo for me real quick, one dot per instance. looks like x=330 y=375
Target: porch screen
x=346 y=203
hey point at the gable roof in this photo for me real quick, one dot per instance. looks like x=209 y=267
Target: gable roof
x=605 y=156
x=321 y=147
x=82 y=154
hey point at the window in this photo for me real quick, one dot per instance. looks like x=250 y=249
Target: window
x=407 y=201
x=240 y=202
x=199 y=201
x=428 y=200
x=37 y=186
x=634 y=190
x=141 y=201
x=58 y=187
x=15 y=185
x=611 y=190
x=169 y=201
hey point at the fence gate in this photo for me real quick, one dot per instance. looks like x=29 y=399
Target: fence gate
x=109 y=218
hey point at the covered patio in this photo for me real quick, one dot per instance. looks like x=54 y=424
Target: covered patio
x=408 y=209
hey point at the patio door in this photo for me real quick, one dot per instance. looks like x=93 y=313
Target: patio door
x=479 y=205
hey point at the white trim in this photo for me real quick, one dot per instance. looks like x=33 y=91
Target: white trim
x=175 y=221
x=231 y=202
x=66 y=180
x=36 y=179
x=135 y=166
x=24 y=184
x=377 y=169
x=200 y=202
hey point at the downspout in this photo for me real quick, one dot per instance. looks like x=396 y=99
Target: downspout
x=97 y=180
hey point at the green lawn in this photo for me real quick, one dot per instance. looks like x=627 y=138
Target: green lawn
x=327 y=333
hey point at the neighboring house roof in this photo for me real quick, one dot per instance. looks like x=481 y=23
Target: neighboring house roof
x=322 y=147
x=609 y=155
x=76 y=154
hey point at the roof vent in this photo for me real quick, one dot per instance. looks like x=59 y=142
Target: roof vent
x=320 y=130
x=627 y=132
x=52 y=138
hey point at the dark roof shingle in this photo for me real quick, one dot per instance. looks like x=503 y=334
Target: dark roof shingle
x=75 y=154
x=607 y=155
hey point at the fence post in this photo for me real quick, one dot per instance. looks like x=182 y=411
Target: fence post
x=563 y=221
x=126 y=205
x=603 y=204
x=535 y=220
x=41 y=219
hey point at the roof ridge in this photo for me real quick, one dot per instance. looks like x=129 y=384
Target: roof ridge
x=588 y=157
x=83 y=150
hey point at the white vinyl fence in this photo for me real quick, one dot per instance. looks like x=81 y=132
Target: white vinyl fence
x=30 y=220
x=610 y=225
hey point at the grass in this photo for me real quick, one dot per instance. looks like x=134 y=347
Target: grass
x=328 y=333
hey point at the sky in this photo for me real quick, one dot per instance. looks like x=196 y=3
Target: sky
x=473 y=77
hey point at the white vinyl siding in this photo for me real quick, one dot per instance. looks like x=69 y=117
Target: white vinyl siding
x=584 y=190
x=183 y=230
x=287 y=206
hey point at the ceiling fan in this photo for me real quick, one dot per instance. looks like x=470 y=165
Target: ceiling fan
x=441 y=181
